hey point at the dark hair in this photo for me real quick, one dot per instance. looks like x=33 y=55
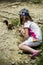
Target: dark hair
x=26 y=19
x=21 y=20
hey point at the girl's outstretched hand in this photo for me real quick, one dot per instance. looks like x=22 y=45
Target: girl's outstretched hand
x=21 y=31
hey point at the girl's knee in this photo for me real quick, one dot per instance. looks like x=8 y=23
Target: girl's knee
x=21 y=46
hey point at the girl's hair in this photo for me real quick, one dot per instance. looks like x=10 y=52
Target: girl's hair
x=26 y=19
x=21 y=20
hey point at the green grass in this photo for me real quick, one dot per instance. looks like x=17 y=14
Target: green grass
x=40 y=62
x=15 y=22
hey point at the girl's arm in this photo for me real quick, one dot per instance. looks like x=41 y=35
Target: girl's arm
x=26 y=35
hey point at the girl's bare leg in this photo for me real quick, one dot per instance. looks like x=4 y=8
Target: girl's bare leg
x=27 y=48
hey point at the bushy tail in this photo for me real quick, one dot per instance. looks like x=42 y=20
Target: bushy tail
x=6 y=22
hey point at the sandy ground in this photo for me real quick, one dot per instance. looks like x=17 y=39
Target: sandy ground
x=10 y=39
x=11 y=10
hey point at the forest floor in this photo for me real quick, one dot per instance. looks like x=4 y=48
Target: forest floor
x=10 y=39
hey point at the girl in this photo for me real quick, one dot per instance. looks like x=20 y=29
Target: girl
x=31 y=32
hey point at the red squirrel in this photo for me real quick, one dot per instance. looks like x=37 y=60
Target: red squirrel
x=10 y=26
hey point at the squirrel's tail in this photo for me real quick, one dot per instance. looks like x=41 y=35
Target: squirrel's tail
x=6 y=22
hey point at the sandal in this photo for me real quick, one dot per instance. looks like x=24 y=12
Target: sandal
x=35 y=54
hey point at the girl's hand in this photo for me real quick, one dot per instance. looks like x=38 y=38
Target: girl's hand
x=34 y=40
x=22 y=31
x=26 y=33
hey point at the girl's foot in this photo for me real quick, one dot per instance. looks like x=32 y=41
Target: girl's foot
x=35 y=54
